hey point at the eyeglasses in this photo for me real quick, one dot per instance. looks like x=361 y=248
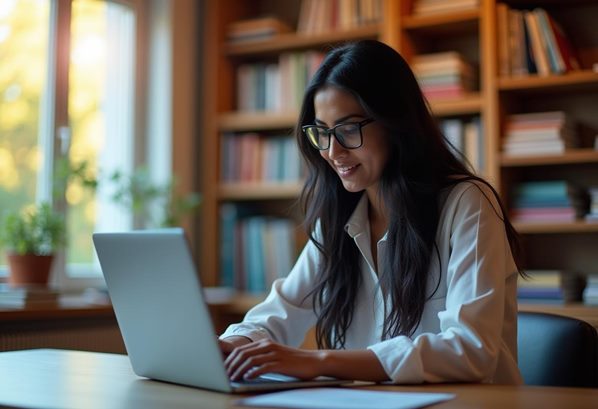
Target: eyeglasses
x=348 y=134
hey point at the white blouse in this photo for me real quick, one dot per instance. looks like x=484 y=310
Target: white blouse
x=468 y=330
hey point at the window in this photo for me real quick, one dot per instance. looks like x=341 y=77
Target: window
x=68 y=95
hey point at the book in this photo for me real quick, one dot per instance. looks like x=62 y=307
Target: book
x=557 y=65
x=590 y=293
x=474 y=145
x=566 y=50
x=544 y=189
x=256 y=29
x=538 y=47
x=529 y=56
x=28 y=296
x=423 y=7
x=502 y=34
x=542 y=117
x=453 y=132
x=517 y=46
x=541 y=285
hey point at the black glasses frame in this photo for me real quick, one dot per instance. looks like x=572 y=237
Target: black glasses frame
x=332 y=131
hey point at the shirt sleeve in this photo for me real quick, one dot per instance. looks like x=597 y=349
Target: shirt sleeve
x=469 y=342
x=287 y=313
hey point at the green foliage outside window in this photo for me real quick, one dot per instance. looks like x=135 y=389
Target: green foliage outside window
x=136 y=192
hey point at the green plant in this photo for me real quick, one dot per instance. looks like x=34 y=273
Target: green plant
x=152 y=204
x=38 y=230
x=140 y=194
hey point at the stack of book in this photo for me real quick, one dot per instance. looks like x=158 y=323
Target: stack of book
x=255 y=250
x=444 y=75
x=532 y=42
x=424 y=7
x=322 y=16
x=466 y=138
x=539 y=133
x=547 y=201
x=541 y=286
x=590 y=294
x=257 y=29
x=592 y=215
x=251 y=157
x=28 y=297
x=276 y=86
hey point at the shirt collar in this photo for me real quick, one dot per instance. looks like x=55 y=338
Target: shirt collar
x=358 y=222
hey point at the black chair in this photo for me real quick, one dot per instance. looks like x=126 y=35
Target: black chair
x=557 y=351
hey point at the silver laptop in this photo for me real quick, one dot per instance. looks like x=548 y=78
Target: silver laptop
x=164 y=320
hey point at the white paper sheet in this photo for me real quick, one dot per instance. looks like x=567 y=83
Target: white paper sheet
x=344 y=398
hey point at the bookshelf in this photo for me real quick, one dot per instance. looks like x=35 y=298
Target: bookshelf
x=473 y=34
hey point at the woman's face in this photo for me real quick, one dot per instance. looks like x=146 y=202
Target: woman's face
x=361 y=168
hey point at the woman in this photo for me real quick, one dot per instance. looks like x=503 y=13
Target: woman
x=409 y=274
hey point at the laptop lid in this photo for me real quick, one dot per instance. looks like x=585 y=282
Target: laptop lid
x=162 y=314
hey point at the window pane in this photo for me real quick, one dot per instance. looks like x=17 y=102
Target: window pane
x=101 y=117
x=24 y=31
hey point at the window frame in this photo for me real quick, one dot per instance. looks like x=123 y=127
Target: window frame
x=153 y=36
x=62 y=276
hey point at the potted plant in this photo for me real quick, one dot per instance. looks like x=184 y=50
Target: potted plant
x=31 y=239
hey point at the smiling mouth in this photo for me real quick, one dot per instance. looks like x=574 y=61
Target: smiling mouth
x=346 y=170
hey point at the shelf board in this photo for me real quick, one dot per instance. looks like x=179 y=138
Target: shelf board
x=252 y=121
x=471 y=104
x=259 y=191
x=571 y=80
x=231 y=301
x=579 y=226
x=294 y=41
x=570 y=156
x=456 y=22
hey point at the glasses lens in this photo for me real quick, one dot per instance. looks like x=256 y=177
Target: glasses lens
x=318 y=137
x=349 y=135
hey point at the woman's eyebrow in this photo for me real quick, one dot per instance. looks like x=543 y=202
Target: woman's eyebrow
x=340 y=120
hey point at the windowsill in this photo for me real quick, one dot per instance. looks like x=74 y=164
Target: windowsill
x=68 y=306
x=81 y=305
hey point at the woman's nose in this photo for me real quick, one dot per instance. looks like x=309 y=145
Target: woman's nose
x=336 y=150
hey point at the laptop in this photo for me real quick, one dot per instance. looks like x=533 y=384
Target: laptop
x=163 y=317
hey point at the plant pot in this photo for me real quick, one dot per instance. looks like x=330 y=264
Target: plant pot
x=27 y=269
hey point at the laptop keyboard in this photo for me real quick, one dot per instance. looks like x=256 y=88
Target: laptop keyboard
x=268 y=378
x=258 y=381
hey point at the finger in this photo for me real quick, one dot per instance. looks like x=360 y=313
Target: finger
x=239 y=357
x=251 y=363
x=262 y=369
x=235 y=350
x=240 y=354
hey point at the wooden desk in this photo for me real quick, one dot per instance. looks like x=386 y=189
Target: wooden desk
x=47 y=378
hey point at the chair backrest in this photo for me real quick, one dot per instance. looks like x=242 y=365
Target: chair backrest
x=555 y=350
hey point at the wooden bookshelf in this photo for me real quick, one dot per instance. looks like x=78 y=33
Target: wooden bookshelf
x=288 y=42
x=570 y=156
x=443 y=23
x=570 y=80
x=259 y=191
x=243 y=121
x=472 y=33
x=564 y=246
x=471 y=104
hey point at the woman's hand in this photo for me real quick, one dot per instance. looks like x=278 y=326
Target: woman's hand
x=228 y=344
x=257 y=358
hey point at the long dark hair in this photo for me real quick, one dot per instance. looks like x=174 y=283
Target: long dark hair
x=420 y=165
